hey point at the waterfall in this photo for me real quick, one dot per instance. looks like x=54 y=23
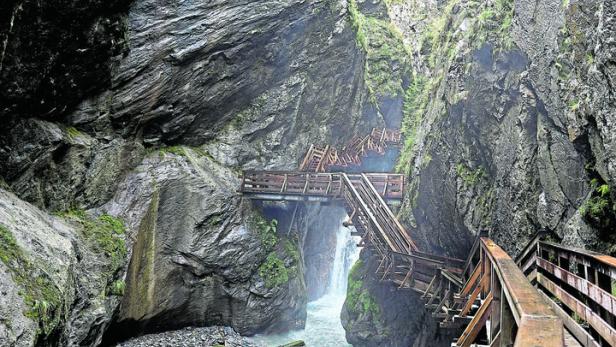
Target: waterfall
x=346 y=254
x=323 y=326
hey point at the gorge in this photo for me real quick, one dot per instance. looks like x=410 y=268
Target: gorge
x=130 y=126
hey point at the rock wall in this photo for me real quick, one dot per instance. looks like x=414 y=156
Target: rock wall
x=148 y=111
x=59 y=275
x=201 y=255
x=510 y=126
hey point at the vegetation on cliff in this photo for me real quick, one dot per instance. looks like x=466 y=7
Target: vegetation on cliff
x=359 y=299
x=283 y=258
x=105 y=233
x=40 y=294
x=387 y=58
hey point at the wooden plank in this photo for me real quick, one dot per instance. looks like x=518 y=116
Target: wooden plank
x=537 y=323
x=390 y=215
x=472 y=298
x=366 y=210
x=600 y=262
x=470 y=284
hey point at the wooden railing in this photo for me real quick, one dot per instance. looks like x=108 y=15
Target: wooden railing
x=321 y=159
x=496 y=291
x=365 y=197
x=580 y=285
x=277 y=185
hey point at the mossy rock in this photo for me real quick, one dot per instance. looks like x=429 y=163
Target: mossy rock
x=38 y=290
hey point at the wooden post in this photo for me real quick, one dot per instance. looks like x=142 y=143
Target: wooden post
x=507 y=323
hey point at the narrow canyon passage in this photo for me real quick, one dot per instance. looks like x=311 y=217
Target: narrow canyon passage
x=323 y=326
x=176 y=172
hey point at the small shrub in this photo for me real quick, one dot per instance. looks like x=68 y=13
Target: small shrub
x=273 y=271
x=267 y=230
x=598 y=210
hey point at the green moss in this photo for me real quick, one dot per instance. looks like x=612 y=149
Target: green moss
x=388 y=59
x=177 y=150
x=4 y=185
x=469 y=177
x=39 y=292
x=485 y=16
x=273 y=271
x=358 y=299
x=291 y=249
x=72 y=132
x=105 y=233
x=416 y=98
x=117 y=288
x=590 y=58
x=182 y=151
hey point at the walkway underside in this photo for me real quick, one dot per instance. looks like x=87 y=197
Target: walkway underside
x=550 y=296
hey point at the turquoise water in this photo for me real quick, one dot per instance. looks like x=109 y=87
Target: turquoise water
x=323 y=327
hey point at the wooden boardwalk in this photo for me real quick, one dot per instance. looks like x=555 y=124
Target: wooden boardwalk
x=551 y=295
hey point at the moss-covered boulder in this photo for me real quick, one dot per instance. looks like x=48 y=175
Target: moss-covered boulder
x=61 y=274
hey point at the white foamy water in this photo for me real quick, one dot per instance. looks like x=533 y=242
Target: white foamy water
x=323 y=326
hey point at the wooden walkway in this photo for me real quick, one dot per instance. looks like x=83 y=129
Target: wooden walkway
x=551 y=295
x=322 y=159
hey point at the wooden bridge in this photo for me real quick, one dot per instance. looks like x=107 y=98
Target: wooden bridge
x=550 y=295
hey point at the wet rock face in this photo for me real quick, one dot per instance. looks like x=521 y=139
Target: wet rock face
x=246 y=84
x=55 y=283
x=512 y=137
x=199 y=255
x=509 y=127
x=57 y=168
x=201 y=71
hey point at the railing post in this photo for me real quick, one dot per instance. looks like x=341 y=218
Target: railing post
x=507 y=323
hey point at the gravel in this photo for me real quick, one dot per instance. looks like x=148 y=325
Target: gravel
x=209 y=336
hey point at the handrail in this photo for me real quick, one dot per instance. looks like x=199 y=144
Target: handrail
x=581 y=281
x=401 y=232
x=601 y=258
x=496 y=276
x=278 y=184
x=320 y=159
x=537 y=323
